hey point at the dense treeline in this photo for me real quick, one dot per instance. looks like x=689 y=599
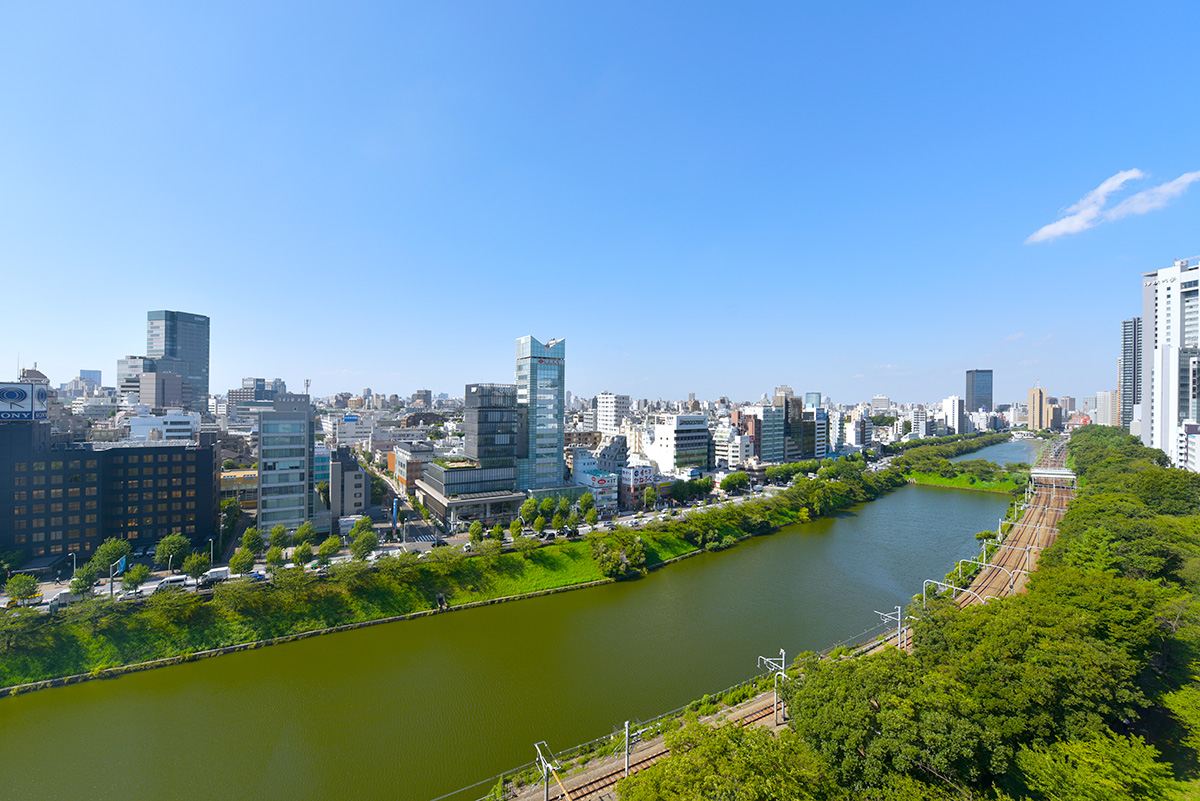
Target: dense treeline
x=1083 y=688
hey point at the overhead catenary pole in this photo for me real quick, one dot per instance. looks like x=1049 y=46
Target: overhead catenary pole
x=776 y=665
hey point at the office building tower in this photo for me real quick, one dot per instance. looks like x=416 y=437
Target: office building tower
x=610 y=411
x=67 y=499
x=1170 y=353
x=129 y=372
x=91 y=375
x=881 y=404
x=178 y=342
x=286 y=454
x=257 y=389
x=812 y=399
x=1039 y=410
x=542 y=402
x=979 y=390
x=1129 y=369
x=782 y=394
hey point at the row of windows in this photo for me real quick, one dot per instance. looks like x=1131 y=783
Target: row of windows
x=40 y=508
x=38 y=495
x=133 y=458
x=121 y=472
x=74 y=464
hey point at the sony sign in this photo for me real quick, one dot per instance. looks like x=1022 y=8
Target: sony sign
x=24 y=401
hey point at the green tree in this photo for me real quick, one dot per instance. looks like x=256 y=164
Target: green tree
x=514 y=529
x=84 y=580
x=109 y=552
x=172 y=550
x=529 y=509
x=573 y=519
x=400 y=567
x=1104 y=768
x=252 y=540
x=489 y=552
x=303 y=554
x=279 y=536
x=731 y=762
x=526 y=546
x=564 y=506
x=735 y=482
x=275 y=560
x=586 y=502
x=498 y=532
x=328 y=549
x=23 y=587
x=476 y=531
x=242 y=562
x=444 y=561
x=649 y=497
x=546 y=507
x=362 y=545
x=307 y=533
x=362 y=524
x=591 y=517
x=195 y=564
x=135 y=577
x=539 y=524
x=558 y=522
x=228 y=464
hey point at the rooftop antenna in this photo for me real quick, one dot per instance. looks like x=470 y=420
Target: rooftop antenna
x=306 y=386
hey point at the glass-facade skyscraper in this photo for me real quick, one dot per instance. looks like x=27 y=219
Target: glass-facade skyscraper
x=178 y=343
x=541 y=401
x=286 y=452
x=979 y=390
x=1129 y=373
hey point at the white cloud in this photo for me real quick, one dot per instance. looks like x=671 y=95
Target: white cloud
x=1152 y=199
x=1090 y=212
x=1017 y=335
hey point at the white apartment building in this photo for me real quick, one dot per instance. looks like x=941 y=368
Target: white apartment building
x=955 y=410
x=730 y=447
x=1170 y=356
x=880 y=404
x=611 y=409
x=681 y=442
x=1108 y=408
x=920 y=423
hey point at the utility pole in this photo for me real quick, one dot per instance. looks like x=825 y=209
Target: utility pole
x=776 y=665
x=897 y=616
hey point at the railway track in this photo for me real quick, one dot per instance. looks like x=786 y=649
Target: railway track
x=594 y=788
x=1017 y=556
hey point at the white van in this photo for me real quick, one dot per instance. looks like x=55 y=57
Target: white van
x=172 y=583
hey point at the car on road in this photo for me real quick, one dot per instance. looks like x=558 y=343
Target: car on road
x=130 y=595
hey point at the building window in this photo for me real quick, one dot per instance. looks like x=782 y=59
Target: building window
x=20 y=467
x=39 y=466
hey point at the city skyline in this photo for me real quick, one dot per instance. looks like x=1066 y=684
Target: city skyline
x=730 y=178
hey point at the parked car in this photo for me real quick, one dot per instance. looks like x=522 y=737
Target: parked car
x=130 y=595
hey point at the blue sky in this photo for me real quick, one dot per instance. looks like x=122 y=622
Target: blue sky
x=700 y=198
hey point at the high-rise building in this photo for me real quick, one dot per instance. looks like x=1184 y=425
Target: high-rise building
x=423 y=397
x=881 y=404
x=1170 y=358
x=1107 y=408
x=610 y=411
x=129 y=371
x=812 y=399
x=490 y=425
x=178 y=342
x=91 y=375
x=1039 y=411
x=541 y=398
x=286 y=445
x=956 y=414
x=979 y=390
x=1129 y=369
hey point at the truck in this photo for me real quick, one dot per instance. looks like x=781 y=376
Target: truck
x=213 y=576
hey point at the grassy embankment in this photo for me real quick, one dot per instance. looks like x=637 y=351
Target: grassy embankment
x=1006 y=485
x=96 y=634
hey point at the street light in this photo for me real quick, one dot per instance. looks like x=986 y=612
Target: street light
x=210 y=550
x=73 y=568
